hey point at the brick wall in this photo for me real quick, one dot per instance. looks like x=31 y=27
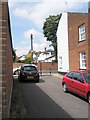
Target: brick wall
x=0 y=61
x=47 y=66
x=75 y=47
x=89 y=41
x=6 y=61
x=17 y=65
x=43 y=65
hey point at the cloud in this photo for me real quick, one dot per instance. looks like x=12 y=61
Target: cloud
x=21 y=12
x=21 y=51
x=24 y=49
x=42 y=10
x=36 y=34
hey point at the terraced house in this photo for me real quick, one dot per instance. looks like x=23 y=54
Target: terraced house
x=5 y=61
x=73 y=37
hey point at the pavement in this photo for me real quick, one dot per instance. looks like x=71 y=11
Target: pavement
x=57 y=75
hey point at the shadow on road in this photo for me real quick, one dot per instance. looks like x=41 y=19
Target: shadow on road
x=36 y=103
x=80 y=97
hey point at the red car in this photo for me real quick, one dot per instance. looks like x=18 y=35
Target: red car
x=77 y=82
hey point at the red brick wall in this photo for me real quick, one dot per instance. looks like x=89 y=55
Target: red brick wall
x=16 y=65
x=47 y=66
x=89 y=41
x=6 y=62
x=44 y=65
x=75 y=47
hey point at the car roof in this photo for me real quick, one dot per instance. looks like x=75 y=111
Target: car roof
x=25 y=65
x=81 y=71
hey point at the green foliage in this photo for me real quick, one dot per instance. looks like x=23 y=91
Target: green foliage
x=27 y=61
x=36 y=53
x=50 y=29
x=14 y=55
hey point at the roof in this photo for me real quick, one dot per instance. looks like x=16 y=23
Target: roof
x=75 y=12
x=50 y=57
x=81 y=71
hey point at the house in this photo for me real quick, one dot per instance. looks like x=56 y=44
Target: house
x=46 y=56
x=73 y=38
x=6 y=61
x=21 y=58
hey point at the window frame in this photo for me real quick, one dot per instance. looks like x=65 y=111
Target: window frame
x=83 y=32
x=76 y=78
x=82 y=59
x=69 y=74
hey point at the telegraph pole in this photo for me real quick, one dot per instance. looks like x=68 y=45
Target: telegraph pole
x=32 y=45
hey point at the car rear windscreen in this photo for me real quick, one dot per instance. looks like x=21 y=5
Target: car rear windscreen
x=30 y=68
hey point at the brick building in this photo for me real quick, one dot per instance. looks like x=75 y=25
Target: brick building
x=73 y=38
x=6 y=66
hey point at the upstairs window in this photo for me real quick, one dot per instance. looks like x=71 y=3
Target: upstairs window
x=82 y=34
x=82 y=60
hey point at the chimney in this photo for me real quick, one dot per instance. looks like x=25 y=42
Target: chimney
x=89 y=7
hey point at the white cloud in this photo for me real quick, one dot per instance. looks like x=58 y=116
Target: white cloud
x=36 y=34
x=37 y=13
x=21 y=12
x=41 y=46
x=40 y=11
x=21 y=51
x=24 y=49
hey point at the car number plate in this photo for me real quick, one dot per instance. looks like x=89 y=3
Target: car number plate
x=30 y=77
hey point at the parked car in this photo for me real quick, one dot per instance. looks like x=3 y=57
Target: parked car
x=16 y=70
x=77 y=82
x=29 y=72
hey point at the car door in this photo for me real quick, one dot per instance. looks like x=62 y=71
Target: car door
x=78 y=84
x=69 y=80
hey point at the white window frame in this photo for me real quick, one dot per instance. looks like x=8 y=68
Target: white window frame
x=82 y=60
x=60 y=61
x=82 y=34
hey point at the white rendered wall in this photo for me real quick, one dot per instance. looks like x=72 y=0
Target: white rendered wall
x=62 y=43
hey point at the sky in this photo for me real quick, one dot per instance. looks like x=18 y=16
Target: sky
x=28 y=17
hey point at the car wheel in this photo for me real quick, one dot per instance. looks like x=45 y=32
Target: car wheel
x=64 y=87
x=37 y=80
x=89 y=98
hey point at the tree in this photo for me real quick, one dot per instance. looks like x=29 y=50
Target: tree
x=50 y=28
x=27 y=60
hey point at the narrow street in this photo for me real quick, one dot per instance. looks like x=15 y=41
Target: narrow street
x=47 y=100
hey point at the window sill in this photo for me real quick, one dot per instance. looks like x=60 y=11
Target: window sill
x=81 y=41
x=82 y=68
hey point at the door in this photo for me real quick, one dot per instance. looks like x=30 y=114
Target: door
x=78 y=84
x=69 y=80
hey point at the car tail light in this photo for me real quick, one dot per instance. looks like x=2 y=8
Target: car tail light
x=37 y=73
x=22 y=72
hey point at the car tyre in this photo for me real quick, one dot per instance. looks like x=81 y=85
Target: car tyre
x=65 y=87
x=89 y=98
x=37 y=80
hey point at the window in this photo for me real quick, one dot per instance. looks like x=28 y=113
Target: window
x=82 y=32
x=60 y=59
x=70 y=75
x=87 y=77
x=30 y=68
x=78 y=76
x=82 y=60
